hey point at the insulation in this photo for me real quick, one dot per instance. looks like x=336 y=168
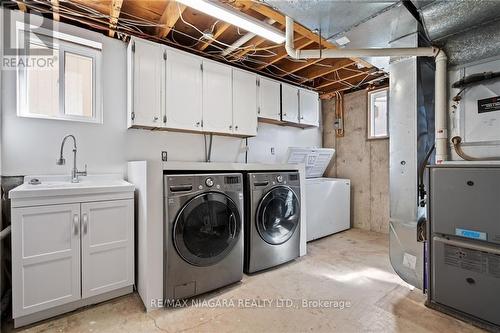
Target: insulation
x=445 y=18
x=468 y=29
x=473 y=45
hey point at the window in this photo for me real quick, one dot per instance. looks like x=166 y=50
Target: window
x=378 y=124
x=58 y=77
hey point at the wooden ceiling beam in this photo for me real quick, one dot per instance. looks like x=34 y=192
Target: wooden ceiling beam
x=114 y=14
x=320 y=71
x=295 y=66
x=301 y=30
x=170 y=16
x=218 y=32
x=255 y=41
x=330 y=83
x=22 y=6
x=300 y=43
x=55 y=10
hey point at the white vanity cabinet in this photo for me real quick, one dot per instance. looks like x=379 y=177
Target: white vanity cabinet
x=72 y=246
x=107 y=246
x=45 y=257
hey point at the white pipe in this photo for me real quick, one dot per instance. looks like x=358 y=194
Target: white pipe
x=440 y=78
x=440 y=106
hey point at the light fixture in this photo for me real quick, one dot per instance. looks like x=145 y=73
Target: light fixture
x=229 y=15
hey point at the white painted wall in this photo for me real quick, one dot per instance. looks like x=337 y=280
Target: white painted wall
x=31 y=146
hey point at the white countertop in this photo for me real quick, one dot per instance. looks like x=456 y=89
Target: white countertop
x=227 y=166
x=61 y=185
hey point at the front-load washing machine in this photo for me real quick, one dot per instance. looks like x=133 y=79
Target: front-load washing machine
x=203 y=247
x=272 y=225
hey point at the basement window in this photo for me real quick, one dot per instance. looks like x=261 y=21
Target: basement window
x=378 y=115
x=58 y=77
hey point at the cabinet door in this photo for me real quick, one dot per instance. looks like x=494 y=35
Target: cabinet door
x=45 y=257
x=269 y=99
x=217 y=98
x=309 y=107
x=184 y=89
x=107 y=246
x=148 y=77
x=290 y=103
x=244 y=103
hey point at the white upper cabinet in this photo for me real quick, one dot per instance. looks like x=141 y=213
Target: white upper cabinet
x=309 y=107
x=217 y=98
x=184 y=91
x=289 y=103
x=244 y=103
x=146 y=65
x=269 y=99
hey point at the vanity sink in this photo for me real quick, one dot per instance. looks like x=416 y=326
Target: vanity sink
x=49 y=186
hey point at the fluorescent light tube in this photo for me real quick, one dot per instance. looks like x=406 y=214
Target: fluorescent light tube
x=230 y=15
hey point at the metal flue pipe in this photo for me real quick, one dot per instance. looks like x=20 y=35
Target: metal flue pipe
x=441 y=75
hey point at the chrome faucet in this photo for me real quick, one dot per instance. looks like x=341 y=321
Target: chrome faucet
x=61 y=161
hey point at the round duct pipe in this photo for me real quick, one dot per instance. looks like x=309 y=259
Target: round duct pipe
x=445 y=18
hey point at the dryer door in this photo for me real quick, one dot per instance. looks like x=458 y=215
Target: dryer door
x=207 y=228
x=278 y=215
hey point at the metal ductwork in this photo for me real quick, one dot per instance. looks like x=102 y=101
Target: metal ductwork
x=469 y=30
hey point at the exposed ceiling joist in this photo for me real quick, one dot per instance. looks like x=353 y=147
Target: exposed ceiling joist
x=252 y=52
x=322 y=70
x=55 y=10
x=301 y=30
x=300 y=43
x=345 y=78
x=170 y=16
x=217 y=33
x=22 y=6
x=114 y=14
x=295 y=66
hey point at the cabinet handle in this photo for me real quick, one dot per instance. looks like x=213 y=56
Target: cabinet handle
x=236 y=127
x=155 y=118
x=76 y=220
x=197 y=124
x=85 y=223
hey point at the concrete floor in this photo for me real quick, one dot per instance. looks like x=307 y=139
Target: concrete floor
x=352 y=266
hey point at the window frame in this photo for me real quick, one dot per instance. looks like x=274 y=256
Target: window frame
x=369 y=115
x=61 y=44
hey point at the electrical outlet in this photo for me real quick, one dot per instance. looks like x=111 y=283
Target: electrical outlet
x=164 y=156
x=272 y=151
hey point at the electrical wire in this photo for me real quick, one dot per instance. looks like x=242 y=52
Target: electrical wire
x=132 y=24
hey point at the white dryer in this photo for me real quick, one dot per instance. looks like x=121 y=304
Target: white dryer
x=327 y=199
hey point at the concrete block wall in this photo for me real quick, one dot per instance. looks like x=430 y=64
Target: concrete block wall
x=365 y=162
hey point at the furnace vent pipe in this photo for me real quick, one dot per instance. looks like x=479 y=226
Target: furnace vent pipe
x=441 y=75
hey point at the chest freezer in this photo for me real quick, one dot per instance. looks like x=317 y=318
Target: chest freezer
x=327 y=199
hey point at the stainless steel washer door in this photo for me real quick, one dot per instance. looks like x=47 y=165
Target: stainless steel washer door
x=278 y=215
x=207 y=228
